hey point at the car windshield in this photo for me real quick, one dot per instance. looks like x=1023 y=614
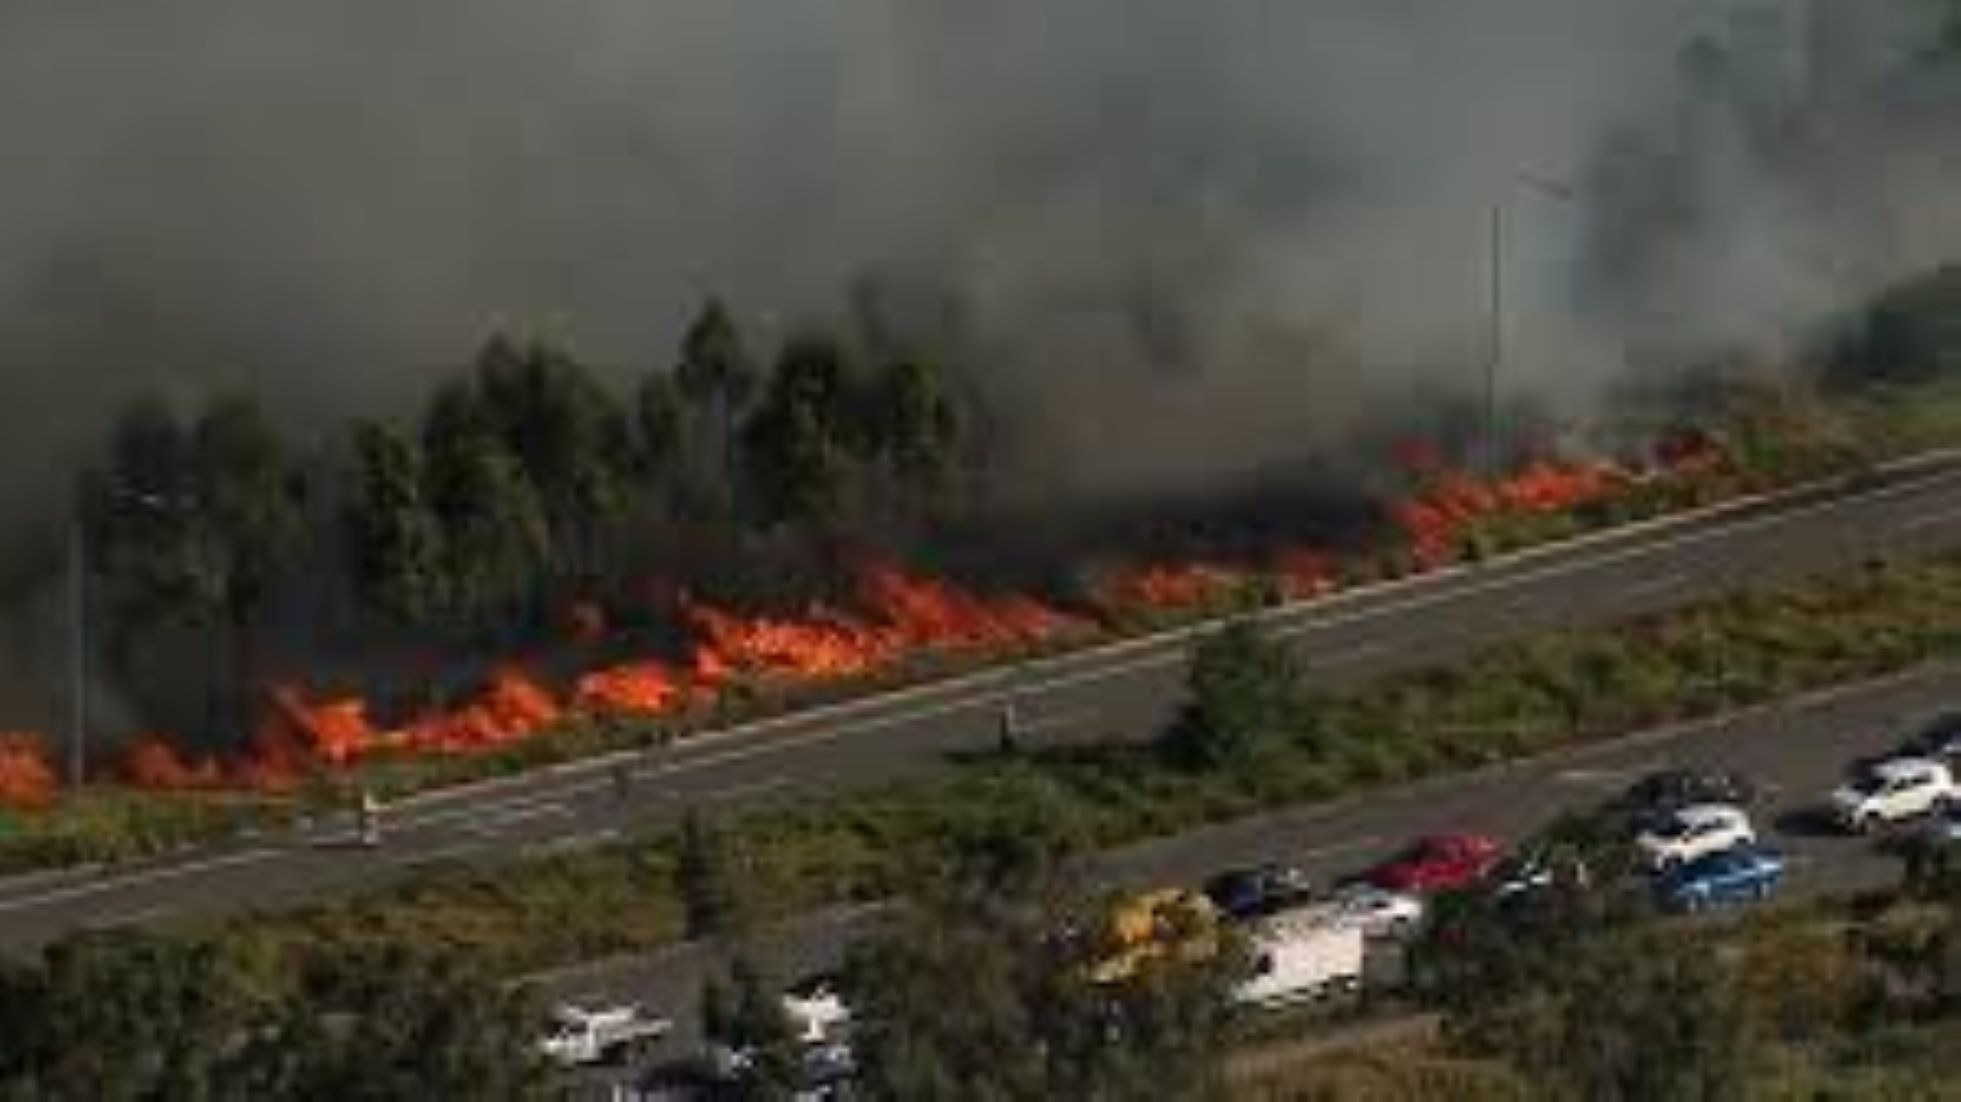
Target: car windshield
x=1865 y=784
x=1673 y=827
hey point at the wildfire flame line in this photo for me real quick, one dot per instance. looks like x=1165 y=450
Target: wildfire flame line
x=894 y=617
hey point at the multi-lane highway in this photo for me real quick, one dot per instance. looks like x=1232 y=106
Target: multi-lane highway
x=1795 y=750
x=1124 y=690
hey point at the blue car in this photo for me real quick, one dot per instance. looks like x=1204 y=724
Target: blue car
x=1740 y=875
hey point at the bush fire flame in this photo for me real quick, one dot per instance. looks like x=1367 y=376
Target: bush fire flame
x=893 y=620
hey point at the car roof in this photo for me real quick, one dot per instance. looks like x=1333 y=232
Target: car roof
x=1897 y=768
x=1696 y=814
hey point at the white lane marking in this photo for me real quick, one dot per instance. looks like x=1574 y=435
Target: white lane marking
x=441 y=853
x=505 y=818
x=1598 y=778
x=28 y=881
x=1360 y=652
x=737 y=791
x=475 y=816
x=570 y=842
x=130 y=917
x=152 y=876
x=1931 y=520
x=1655 y=587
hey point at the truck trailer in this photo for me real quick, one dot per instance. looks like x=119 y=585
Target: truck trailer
x=1300 y=956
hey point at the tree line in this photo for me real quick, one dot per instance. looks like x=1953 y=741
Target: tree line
x=525 y=483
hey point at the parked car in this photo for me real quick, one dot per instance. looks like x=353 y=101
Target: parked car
x=1258 y=891
x=1737 y=875
x=1892 y=791
x=1660 y=794
x=1938 y=738
x=579 y=1035
x=1694 y=832
x=1301 y=956
x=1439 y=862
x=1377 y=912
x=815 y=1007
x=1535 y=870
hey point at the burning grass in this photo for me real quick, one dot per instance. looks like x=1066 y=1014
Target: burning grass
x=894 y=624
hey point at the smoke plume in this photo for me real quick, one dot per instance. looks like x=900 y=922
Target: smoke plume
x=1188 y=240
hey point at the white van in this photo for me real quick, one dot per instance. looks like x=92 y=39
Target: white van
x=1300 y=956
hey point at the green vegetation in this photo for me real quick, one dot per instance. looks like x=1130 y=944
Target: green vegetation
x=1245 y=694
x=1028 y=1023
x=872 y=844
x=126 y=1016
x=110 y=825
x=745 y=1015
x=707 y=878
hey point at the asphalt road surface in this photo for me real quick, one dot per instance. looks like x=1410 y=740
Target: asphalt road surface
x=1794 y=750
x=1124 y=690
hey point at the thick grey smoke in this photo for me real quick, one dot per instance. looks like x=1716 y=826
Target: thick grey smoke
x=1193 y=237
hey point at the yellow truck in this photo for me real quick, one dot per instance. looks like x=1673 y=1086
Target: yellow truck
x=1170 y=923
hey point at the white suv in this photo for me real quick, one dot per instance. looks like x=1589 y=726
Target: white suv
x=1892 y=790
x=1695 y=831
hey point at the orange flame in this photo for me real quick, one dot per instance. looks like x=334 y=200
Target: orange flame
x=150 y=762
x=26 y=780
x=1306 y=573
x=638 y=688
x=1435 y=521
x=335 y=732
x=511 y=709
x=1169 y=586
x=823 y=645
x=929 y=613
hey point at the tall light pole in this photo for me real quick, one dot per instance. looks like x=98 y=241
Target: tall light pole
x=78 y=645
x=1495 y=355
x=1495 y=283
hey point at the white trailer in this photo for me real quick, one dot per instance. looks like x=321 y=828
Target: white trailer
x=1300 y=956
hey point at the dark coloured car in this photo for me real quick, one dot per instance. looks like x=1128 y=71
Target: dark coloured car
x=1258 y=891
x=1939 y=738
x=1438 y=863
x=1658 y=795
x=1531 y=872
x=1740 y=875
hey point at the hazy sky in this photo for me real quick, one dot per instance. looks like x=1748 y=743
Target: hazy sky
x=1148 y=207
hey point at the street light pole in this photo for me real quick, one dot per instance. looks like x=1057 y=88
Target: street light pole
x=78 y=697
x=1495 y=355
x=1495 y=281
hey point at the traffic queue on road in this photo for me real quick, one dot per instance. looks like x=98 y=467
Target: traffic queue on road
x=1688 y=833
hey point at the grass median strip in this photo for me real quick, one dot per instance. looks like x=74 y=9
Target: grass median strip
x=1554 y=690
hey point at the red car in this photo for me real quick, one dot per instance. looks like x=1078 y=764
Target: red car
x=1438 y=863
